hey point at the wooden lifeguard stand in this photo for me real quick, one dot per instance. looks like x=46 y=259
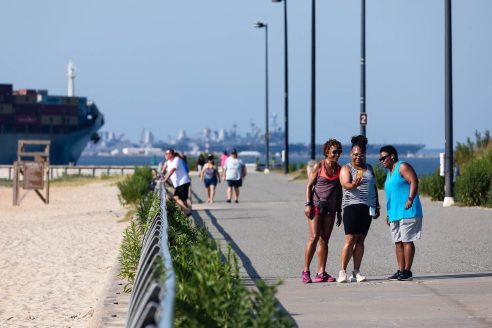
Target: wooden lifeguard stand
x=33 y=165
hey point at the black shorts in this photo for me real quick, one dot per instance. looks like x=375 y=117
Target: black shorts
x=235 y=183
x=182 y=191
x=356 y=219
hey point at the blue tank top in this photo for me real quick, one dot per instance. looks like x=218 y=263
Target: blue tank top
x=397 y=190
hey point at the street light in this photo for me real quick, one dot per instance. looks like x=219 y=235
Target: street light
x=267 y=131
x=313 y=81
x=363 y=115
x=448 y=167
x=286 y=94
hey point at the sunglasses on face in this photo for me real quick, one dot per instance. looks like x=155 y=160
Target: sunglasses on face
x=336 y=152
x=383 y=158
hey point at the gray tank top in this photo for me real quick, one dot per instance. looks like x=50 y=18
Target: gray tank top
x=363 y=194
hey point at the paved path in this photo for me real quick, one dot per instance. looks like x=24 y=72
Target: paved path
x=452 y=268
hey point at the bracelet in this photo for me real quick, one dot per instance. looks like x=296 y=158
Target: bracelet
x=308 y=204
x=410 y=198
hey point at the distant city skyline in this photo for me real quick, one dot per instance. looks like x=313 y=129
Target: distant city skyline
x=188 y=65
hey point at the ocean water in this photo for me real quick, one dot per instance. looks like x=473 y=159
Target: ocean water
x=422 y=165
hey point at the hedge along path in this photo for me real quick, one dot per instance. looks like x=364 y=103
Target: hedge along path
x=55 y=259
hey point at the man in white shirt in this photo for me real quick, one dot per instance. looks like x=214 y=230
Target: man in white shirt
x=180 y=179
x=234 y=173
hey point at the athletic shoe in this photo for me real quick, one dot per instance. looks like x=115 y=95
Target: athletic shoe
x=395 y=276
x=358 y=277
x=342 y=276
x=228 y=200
x=405 y=275
x=324 y=277
x=236 y=201
x=306 y=277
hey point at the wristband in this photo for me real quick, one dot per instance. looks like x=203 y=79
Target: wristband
x=308 y=204
x=410 y=198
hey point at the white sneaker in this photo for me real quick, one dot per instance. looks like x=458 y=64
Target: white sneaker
x=342 y=276
x=358 y=276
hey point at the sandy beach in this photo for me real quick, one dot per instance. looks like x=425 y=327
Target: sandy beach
x=55 y=259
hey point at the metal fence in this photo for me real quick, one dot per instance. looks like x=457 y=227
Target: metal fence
x=152 y=298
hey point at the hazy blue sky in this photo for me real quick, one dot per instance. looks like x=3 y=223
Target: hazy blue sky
x=171 y=65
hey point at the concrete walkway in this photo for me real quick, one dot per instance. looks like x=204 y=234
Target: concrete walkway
x=452 y=269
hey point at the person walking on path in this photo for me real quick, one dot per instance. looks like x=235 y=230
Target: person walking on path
x=223 y=157
x=175 y=170
x=234 y=173
x=323 y=201
x=404 y=209
x=360 y=205
x=210 y=176
x=200 y=162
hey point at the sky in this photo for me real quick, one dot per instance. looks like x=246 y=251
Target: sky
x=172 y=65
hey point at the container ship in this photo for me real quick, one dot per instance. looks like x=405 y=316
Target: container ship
x=69 y=122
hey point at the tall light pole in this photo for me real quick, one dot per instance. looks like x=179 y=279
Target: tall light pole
x=363 y=115
x=313 y=81
x=267 y=130
x=448 y=63
x=286 y=94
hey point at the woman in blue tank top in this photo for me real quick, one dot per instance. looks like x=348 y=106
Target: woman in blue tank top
x=404 y=209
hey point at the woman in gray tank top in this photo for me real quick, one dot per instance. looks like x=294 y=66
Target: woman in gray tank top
x=360 y=205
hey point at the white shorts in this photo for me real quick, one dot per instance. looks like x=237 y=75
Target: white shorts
x=406 y=230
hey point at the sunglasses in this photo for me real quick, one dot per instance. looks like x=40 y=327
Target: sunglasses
x=338 y=151
x=382 y=159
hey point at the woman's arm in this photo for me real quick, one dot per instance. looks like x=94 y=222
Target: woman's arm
x=346 y=179
x=309 y=187
x=408 y=173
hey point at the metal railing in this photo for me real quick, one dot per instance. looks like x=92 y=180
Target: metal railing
x=56 y=171
x=152 y=300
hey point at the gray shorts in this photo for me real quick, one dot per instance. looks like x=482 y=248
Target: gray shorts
x=406 y=230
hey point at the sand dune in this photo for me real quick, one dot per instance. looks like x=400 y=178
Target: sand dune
x=55 y=259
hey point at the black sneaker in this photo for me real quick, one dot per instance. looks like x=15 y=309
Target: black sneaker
x=228 y=200
x=236 y=201
x=405 y=275
x=395 y=276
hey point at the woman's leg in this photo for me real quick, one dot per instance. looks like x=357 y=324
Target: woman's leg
x=400 y=258
x=208 y=194
x=409 y=253
x=325 y=227
x=313 y=236
x=212 y=193
x=347 y=250
x=358 y=251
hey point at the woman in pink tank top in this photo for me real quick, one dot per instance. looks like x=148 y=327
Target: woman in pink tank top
x=323 y=203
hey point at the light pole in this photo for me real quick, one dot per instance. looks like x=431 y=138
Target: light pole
x=448 y=63
x=313 y=81
x=267 y=130
x=286 y=94
x=363 y=115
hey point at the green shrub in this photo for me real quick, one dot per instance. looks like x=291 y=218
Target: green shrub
x=292 y=167
x=474 y=184
x=130 y=250
x=380 y=174
x=135 y=186
x=432 y=185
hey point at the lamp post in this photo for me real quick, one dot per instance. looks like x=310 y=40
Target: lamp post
x=448 y=165
x=267 y=130
x=313 y=81
x=363 y=115
x=286 y=94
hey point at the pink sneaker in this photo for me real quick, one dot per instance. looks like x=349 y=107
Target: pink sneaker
x=324 y=277
x=306 y=277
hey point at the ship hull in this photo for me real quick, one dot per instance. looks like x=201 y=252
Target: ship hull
x=64 y=149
